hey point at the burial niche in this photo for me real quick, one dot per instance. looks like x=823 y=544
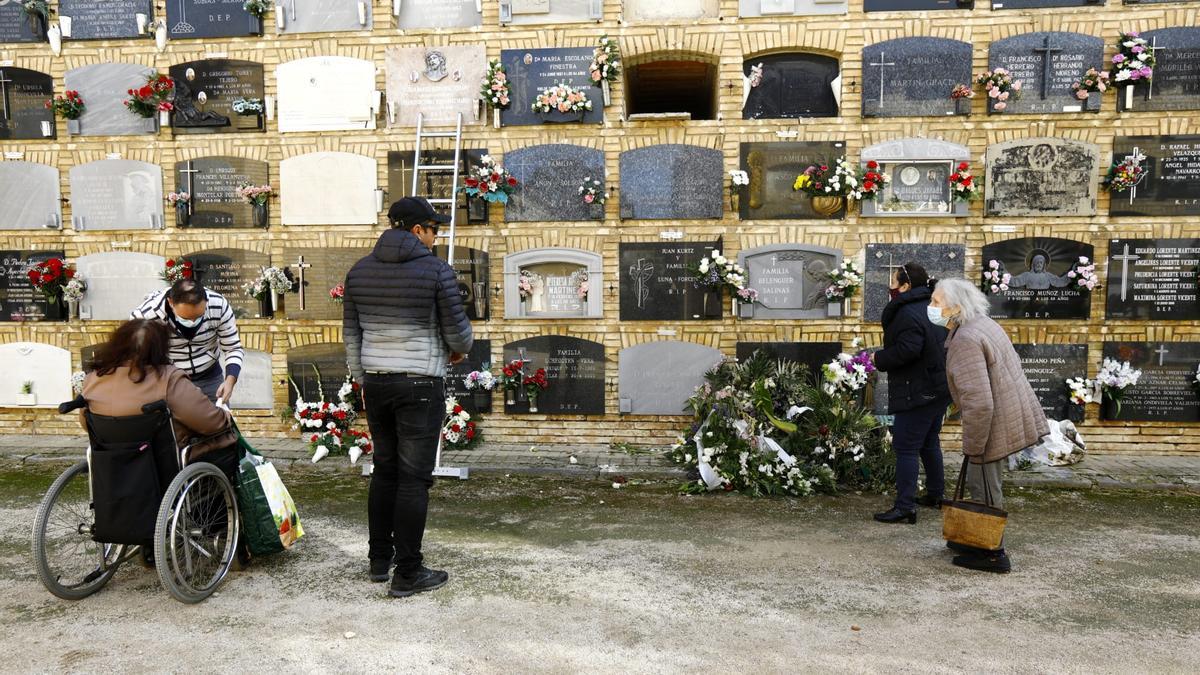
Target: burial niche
x=553 y=283
x=791 y=85
x=672 y=85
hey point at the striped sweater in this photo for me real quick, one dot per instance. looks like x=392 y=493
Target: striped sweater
x=217 y=334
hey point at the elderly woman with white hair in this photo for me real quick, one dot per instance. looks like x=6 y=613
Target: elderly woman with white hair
x=1000 y=413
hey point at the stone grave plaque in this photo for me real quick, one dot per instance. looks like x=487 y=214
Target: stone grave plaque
x=791 y=86
x=421 y=14
x=941 y=261
x=226 y=270
x=772 y=169
x=563 y=283
x=325 y=16
x=574 y=368
x=913 y=77
x=1040 y=287
x=117 y=194
x=437 y=184
x=328 y=188
x=1047 y=63
x=1038 y=4
x=656 y=284
x=557 y=290
x=1048 y=367
x=438 y=82
x=1042 y=177
x=118 y=281
x=104 y=88
x=550 y=177
x=316 y=372
x=530 y=71
x=1169 y=186
x=1153 y=279
x=210 y=18
x=16 y=27
x=790 y=279
x=29 y=196
x=256 y=383
x=1176 y=81
x=812 y=355
x=471 y=268
x=658 y=378
x=19 y=301
x=914 y=5
x=672 y=182
x=105 y=20
x=326 y=93
x=656 y=10
x=46 y=367
x=205 y=92
x=213 y=182
x=550 y=11
x=772 y=8
x=920 y=169
x=312 y=279
x=478 y=400
x=1165 y=392
x=23 y=96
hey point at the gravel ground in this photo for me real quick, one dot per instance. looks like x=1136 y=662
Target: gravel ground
x=567 y=575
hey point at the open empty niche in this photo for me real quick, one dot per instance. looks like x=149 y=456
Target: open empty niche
x=672 y=86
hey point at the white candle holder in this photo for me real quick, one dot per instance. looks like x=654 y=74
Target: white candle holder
x=142 y=22
x=47 y=128
x=362 y=13
x=64 y=25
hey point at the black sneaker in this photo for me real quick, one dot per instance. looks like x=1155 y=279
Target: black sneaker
x=423 y=579
x=994 y=561
x=381 y=570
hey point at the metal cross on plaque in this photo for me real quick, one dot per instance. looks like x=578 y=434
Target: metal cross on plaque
x=1162 y=352
x=4 y=95
x=883 y=63
x=300 y=267
x=189 y=178
x=641 y=273
x=1047 y=51
x=1125 y=258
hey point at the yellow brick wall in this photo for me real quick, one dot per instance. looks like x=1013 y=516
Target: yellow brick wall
x=726 y=41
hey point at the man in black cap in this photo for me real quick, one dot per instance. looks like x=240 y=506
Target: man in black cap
x=403 y=324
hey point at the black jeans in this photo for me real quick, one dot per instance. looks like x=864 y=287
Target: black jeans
x=405 y=416
x=915 y=433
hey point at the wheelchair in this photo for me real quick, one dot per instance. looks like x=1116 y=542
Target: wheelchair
x=135 y=489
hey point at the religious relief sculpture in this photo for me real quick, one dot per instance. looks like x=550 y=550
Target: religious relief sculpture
x=1037 y=278
x=537 y=293
x=186 y=113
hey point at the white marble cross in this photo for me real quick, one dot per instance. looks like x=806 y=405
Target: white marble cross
x=189 y=176
x=1162 y=352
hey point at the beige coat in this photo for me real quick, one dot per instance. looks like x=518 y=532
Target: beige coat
x=195 y=417
x=1000 y=413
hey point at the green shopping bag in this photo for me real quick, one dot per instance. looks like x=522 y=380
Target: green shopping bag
x=269 y=517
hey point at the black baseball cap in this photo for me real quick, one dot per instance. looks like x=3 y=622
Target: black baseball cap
x=411 y=211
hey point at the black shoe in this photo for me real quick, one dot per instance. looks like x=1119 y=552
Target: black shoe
x=993 y=561
x=895 y=515
x=423 y=579
x=967 y=550
x=929 y=500
x=381 y=570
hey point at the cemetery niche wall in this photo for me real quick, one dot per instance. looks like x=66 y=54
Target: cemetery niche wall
x=920 y=170
x=1166 y=390
x=791 y=280
x=771 y=169
x=532 y=71
x=1047 y=64
x=1175 y=84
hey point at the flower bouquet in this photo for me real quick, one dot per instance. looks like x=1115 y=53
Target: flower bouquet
x=963 y=186
x=176 y=270
x=182 y=202
x=37 y=13
x=592 y=191
x=1114 y=378
x=606 y=66
x=271 y=283
x=490 y=182
x=848 y=374
x=1126 y=174
x=510 y=379
x=337 y=294
x=494 y=91
x=873 y=181
x=717 y=273
x=737 y=181
x=70 y=107
x=829 y=188
x=1000 y=88
x=563 y=99
x=51 y=277
x=247 y=108
x=1090 y=87
x=153 y=97
x=1133 y=63
x=1080 y=392
x=962 y=94
x=995 y=279
x=1083 y=275
x=257 y=197
x=326 y=425
x=534 y=385
x=480 y=383
x=73 y=293
x=458 y=431
x=844 y=282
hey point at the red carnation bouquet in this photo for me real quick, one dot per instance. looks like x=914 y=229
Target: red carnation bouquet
x=490 y=182
x=534 y=385
x=50 y=277
x=873 y=181
x=175 y=270
x=963 y=186
x=152 y=97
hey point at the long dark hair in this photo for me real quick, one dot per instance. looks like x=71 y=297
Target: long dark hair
x=914 y=275
x=141 y=344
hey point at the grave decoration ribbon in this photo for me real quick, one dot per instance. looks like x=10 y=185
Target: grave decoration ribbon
x=51 y=277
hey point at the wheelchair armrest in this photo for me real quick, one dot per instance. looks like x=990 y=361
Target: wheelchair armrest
x=75 y=404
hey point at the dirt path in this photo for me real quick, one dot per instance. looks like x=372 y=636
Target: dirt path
x=561 y=576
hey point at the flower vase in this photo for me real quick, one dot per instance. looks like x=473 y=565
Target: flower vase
x=47 y=129
x=74 y=127
x=164 y=119
x=150 y=124
x=734 y=200
x=712 y=304
x=483 y=398
x=1075 y=412
x=260 y=214
x=39 y=26
x=533 y=403
x=962 y=106
x=496 y=117
x=827 y=206
x=266 y=308
x=256 y=26
x=27 y=400
x=73 y=310
x=510 y=397
x=606 y=88
x=835 y=307
x=1092 y=104
x=183 y=214
x=1109 y=409
x=1128 y=94
x=274 y=301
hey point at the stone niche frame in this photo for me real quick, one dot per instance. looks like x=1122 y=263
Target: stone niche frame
x=592 y=262
x=925 y=152
x=825 y=309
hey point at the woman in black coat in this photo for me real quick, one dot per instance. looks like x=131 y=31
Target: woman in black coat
x=914 y=357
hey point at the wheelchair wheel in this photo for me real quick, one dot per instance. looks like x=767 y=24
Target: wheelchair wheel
x=196 y=534
x=69 y=563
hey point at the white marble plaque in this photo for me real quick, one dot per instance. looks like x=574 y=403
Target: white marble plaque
x=324 y=16
x=116 y=194
x=104 y=88
x=118 y=281
x=327 y=93
x=657 y=10
x=328 y=188
x=29 y=196
x=255 y=386
x=439 y=82
x=416 y=14
x=46 y=367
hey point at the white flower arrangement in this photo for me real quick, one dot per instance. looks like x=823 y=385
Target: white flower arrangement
x=561 y=98
x=847 y=373
x=592 y=191
x=1082 y=390
x=717 y=271
x=995 y=279
x=74 y=289
x=845 y=281
x=458 y=429
x=1115 y=377
x=1083 y=275
x=77 y=379
x=606 y=61
x=270 y=279
x=480 y=379
x=739 y=178
x=1134 y=59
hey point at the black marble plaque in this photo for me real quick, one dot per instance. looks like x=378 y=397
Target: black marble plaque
x=550 y=177
x=530 y=71
x=205 y=92
x=226 y=271
x=23 y=96
x=913 y=77
x=941 y=261
x=772 y=169
x=105 y=19
x=1040 y=287
x=1153 y=279
x=1165 y=391
x=1170 y=185
x=656 y=284
x=316 y=372
x=1048 y=367
x=320 y=271
x=915 y=5
x=1046 y=84
x=471 y=267
x=672 y=181
x=213 y=182
x=574 y=368
x=16 y=26
x=1176 y=81
x=812 y=355
x=210 y=18
x=792 y=86
x=1037 y=4
x=437 y=184
x=19 y=300
x=477 y=400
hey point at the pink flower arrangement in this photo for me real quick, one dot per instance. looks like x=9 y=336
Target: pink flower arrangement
x=995 y=279
x=999 y=86
x=494 y=90
x=1134 y=60
x=1083 y=274
x=561 y=98
x=254 y=194
x=1092 y=81
x=606 y=61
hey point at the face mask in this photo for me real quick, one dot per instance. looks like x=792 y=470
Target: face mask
x=188 y=323
x=935 y=316
x=893 y=293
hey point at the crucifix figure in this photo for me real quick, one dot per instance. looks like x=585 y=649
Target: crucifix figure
x=4 y=95
x=883 y=63
x=1162 y=352
x=1047 y=52
x=1125 y=258
x=188 y=177
x=300 y=267
x=641 y=273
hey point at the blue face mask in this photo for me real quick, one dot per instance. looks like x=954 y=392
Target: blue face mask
x=935 y=316
x=189 y=323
